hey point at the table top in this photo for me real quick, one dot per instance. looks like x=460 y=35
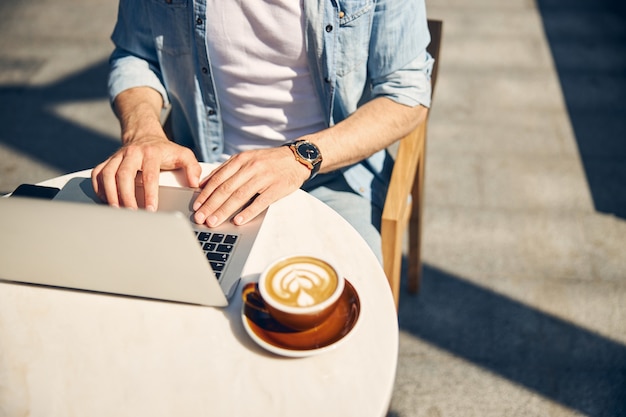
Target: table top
x=65 y=352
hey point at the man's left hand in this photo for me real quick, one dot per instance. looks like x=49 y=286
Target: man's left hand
x=258 y=177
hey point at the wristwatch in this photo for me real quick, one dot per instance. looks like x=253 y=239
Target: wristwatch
x=307 y=154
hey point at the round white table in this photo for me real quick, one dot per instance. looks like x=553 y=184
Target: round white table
x=65 y=353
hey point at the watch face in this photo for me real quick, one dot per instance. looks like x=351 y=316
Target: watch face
x=308 y=151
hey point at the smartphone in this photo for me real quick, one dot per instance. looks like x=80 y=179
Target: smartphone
x=35 y=191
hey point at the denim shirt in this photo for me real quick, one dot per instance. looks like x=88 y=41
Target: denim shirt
x=357 y=50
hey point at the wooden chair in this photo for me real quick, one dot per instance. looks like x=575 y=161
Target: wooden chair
x=404 y=201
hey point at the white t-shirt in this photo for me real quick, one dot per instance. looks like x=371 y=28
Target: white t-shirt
x=264 y=87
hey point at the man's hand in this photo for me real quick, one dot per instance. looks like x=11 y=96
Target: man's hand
x=146 y=150
x=258 y=177
x=114 y=179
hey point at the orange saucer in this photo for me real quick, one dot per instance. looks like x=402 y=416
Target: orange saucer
x=285 y=341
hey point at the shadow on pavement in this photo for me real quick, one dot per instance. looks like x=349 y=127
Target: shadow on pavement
x=588 y=43
x=552 y=357
x=31 y=127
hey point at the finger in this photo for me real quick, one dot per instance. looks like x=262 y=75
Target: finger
x=193 y=173
x=125 y=178
x=178 y=157
x=226 y=200
x=257 y=205
x=215 y=179
x=96 y=181
x=150 y=178
x=108 y=183
x=192 y=168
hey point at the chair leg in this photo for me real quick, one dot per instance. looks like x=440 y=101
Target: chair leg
x=392 y=256
x=415 y=228
x=415 y=264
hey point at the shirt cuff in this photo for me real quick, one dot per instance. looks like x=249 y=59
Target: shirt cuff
x=409 y=86
x=129 y=72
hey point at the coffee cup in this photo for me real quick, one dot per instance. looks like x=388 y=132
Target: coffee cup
x=298 y=291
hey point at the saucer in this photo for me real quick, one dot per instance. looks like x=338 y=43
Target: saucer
x=285 y=341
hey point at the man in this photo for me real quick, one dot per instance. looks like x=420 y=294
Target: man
x=241 y=79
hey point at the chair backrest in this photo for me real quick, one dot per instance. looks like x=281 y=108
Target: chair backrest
x=404 y=201
x=435 y=28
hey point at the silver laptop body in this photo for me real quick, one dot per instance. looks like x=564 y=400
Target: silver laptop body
x=77 y=242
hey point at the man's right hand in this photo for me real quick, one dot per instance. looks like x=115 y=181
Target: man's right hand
x=114 y=179
x=146 y=150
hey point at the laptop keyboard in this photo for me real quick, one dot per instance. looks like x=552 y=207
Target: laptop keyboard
x=217 y=248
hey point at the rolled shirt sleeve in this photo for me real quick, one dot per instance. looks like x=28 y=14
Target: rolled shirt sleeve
x=134 y=62
x=128 y=71
x=409 y=86
x=399 y=65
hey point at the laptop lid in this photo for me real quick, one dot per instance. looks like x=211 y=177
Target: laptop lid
x=98 y=248
x=180 y=200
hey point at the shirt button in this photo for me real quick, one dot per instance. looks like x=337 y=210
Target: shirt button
x=205 y=70
x=341 y=14
x=211 y=112
x=198 y=21
x=329 y=28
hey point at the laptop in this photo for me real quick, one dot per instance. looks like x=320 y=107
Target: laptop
x=75 y=241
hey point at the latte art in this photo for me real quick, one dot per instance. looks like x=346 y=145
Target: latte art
x=301 y=283
x=298 y=291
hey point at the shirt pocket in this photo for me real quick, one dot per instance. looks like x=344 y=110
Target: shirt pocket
x=355 y=19
x=171 y=25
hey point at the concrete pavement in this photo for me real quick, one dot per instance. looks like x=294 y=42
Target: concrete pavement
x=522 y=310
